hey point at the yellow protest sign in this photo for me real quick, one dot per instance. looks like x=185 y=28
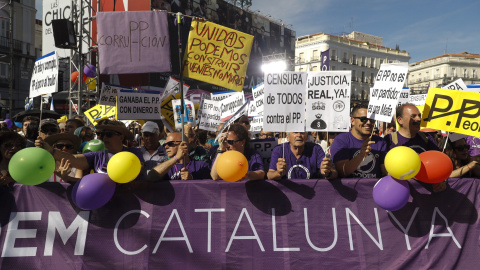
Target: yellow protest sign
x=109 y=111
x=167 y=109
x=452 y=110
x=94 y=113
x=217 y=55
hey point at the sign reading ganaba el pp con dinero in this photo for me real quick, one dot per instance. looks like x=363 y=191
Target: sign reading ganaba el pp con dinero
x=217 y=55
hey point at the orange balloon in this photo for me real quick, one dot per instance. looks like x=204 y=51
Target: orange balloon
x=436 y=167
x=232 y=166
x=74 y=76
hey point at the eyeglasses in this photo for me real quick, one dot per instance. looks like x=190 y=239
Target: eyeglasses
x=107 y=134
x=47 y=130
x=66 y=146
x=461 y=148
x=11 y=144
x=171 y=143
x=364 y=119
x=232 y=142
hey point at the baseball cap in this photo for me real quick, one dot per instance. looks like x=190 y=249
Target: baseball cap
x=151 y=127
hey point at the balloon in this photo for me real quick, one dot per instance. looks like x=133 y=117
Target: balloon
x=93 y=191
x=9 y=123
x=123 y=167
x=74 y=76
x=18 y=124
x=83 y=145
x=402 y=162
x=391 y=194
x=90 y=70
x=84 y=77
x=93 y=146
x=436 y=167
x=232 y=166
x=31 y=166
x=91 y=83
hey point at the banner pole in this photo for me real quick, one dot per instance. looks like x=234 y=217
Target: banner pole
x=182 y=103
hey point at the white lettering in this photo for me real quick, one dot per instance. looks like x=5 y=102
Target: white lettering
x=209 y=225
x=255 y=236
x=55 y=223
x=115 y=233
x=274 y=228
x=183 y=238
x=378 y=243
x=13 y=232
x=450 y=233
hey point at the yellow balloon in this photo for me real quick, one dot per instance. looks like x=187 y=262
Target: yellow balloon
x=123 y=167
x=91 y=83
x=232 y=166
x=402 y=163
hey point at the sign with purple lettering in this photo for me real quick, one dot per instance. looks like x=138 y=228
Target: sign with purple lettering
x=133 y=42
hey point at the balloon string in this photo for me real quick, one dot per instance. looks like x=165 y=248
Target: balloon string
x=41 y=112
x=446 y=141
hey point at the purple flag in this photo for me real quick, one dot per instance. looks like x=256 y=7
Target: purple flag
x=325 y=57
x=133 y=42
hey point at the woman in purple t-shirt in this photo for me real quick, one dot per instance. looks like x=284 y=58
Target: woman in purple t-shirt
x=236 y=138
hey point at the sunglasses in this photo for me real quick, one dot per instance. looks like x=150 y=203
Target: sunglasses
x=171 y=143
x=108 y=134
x=364 y=119
x=460 y=148
x=46 y=130
x=66 y=146
x=232 y=142
x=10 y=145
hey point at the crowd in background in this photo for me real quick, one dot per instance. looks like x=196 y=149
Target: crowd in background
x=193 y=153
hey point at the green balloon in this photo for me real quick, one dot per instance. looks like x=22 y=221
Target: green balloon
x=93 y=146
x=31 y=166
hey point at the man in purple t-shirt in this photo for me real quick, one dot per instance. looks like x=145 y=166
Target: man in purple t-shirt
x=474 y=143
x=299 y=159
x=179 y=166
x=358 y=153
x=409 y=119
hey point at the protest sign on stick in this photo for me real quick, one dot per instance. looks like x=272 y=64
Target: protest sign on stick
x=386 y=91
x=210 y=115
x=133 y=42
x=173 y=88
x=45 y=75
x=219 y=96
x=451 y=110
x=242 y=111
x=284 y=101
x=256 y=124
x=108 y=94
x=256 y=107
x=231 y=105
x=328 y=101
x=189 y=113
x=217 y=55
x=417 y=100
x=456 y=85
x=138 y=105
x=404 y=96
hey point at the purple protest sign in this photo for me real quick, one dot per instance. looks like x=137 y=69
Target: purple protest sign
x=133 y=42
x=325 y=57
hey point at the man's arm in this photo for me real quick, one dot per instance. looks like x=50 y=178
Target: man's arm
x=78 y=161
x=346 y=167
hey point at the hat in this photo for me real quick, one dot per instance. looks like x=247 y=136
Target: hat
x=64 y=136
x=78 y=131
x=76 y=121
x=115 y=126
x=48 y=121
x=151 y=127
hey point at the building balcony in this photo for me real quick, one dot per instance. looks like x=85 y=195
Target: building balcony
x=5 y=44
x=333 y=58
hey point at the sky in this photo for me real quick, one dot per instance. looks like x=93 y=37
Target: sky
x=424 y=28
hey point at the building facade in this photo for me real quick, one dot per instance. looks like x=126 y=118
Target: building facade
x=443 y=69
x=359 y=52
x=23 y=42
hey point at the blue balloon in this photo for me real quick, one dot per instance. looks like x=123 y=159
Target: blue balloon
x=19 y=124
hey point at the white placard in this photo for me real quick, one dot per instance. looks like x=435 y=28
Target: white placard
x=328 y=101
x=210 y=115
x=108 y=94
x=404 y=97
x=219 y=96
x=457 y=85
x=386 y=91
x=231 y=105
x=45 y=75
x=138 y=105
x=256 y=124
x=256 y=107
x=173 y=88
x=200 y=107
x=284 y=101
x=418 y=100
x=189 y=113
x=242 y=111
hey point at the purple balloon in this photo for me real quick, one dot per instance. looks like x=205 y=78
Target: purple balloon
x=9 y=123
x=391 y=194
x=93 y=191
x=90 y=70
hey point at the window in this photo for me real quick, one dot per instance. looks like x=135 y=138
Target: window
x=372 y=62
x=454 y=72
x=474 y=73
x=301 y=57
x=364 y=61
x=372 y=78
x=427 y=76
x=354 y=59
x=437 y=73
x=315 y=54
x=465 y=73
x=363 y=76
x=345 y=58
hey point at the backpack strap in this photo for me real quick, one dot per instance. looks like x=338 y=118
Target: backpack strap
x=423 y=136
x=394 y=138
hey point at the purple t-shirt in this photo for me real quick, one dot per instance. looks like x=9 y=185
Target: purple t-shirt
x=255 y=162
x=197 y=168
x=305 y=167
x=346 y=147
x=98 y=162
x=474 y=143
x=416 y=143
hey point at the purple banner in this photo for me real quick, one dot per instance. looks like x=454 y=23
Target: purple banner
x=205 y=224
x=133 y=42
x=325 y=57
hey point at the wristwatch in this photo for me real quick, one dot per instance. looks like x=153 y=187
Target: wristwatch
x=221 y=151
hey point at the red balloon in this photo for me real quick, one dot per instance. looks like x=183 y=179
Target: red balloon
x=84 y=77
x=436 y=167
x=74 y=76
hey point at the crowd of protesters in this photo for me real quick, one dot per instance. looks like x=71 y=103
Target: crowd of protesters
x=164 y=155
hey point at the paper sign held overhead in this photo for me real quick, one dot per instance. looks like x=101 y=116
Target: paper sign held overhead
x=210 y=115
x=231 y=105
x=256 y=107
x=108 y=95
x=188 y=113
x=45 y=75
x=138 y=105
